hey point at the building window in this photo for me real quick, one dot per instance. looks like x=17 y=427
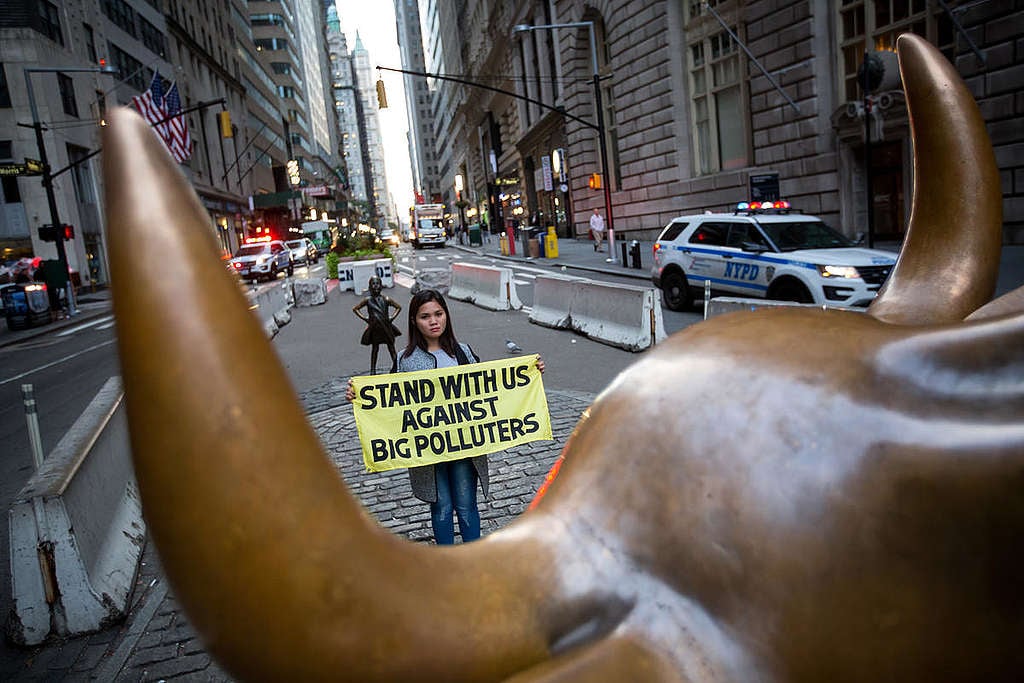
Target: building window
x=49 y=22
x=5 y=93
x=130 y=68
x=152 y=38
x=121 y=15
x=720 y=137
x=883 y=21
x=90 y=43
x=67 y=94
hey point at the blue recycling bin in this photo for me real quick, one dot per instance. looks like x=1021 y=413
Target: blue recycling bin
x=26 y=304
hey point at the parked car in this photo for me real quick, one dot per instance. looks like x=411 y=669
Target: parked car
x=303 y=250
x=389 y=237
x=769 y=252
x=259 y=259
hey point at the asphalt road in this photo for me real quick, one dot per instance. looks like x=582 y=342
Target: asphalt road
x=69 y=365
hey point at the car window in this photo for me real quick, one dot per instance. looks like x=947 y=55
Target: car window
x=710 y=233
x=804 y=235
x=672 y=231
x=250 y=250
x=294 y=244
x=276 y=248
x=744 y=233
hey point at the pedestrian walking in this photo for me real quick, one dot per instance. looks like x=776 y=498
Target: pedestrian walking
x=449 y=487
x=597 y=229
x=380 y=328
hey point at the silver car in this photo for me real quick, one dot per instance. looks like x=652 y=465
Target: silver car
x=303 y=251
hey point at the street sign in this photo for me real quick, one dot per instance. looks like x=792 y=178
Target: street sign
x=30 y=167
x=13 y=169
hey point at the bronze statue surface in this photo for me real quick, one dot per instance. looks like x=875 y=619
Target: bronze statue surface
x=850 y=511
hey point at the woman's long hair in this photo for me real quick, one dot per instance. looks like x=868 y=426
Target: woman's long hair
x=416 y=339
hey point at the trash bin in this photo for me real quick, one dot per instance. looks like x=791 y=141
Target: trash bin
x=25 y=305
x=634 y=253
x=475 y=238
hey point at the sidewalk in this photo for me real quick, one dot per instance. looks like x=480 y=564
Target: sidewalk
x=574 y=254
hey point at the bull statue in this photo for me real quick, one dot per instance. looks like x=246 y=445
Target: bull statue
x=812 y=495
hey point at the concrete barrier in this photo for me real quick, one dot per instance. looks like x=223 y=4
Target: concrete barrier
x=273 y=306
x=729 y=304
x=355 y=275
x=486 y=286
x=619 y=315
x=311 y=292
x=76 y=529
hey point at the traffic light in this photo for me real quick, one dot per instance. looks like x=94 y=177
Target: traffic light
x=48 y=232
x=225 y=124
x=382 y=96
x=595 y=181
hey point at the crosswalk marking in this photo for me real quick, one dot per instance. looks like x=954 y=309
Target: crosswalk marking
x=83 y=326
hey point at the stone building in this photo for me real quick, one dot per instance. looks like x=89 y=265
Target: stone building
x=705 y=104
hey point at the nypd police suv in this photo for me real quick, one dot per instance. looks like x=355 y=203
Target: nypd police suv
x=765 y=250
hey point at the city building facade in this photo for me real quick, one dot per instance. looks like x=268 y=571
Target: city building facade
x=253 y=85
x=701 y=105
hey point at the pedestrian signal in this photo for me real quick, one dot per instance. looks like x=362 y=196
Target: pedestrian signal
x=382 y=95
x=595 y=181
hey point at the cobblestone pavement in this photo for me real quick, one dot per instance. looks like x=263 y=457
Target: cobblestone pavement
x=157 y=642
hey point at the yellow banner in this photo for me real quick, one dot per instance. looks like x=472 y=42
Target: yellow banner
x=422 y=418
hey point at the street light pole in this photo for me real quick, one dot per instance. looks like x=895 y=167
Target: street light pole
x=47 y=177
x=602 y=138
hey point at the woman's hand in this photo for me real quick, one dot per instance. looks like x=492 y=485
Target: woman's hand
x=350 y=393
x=540 y=364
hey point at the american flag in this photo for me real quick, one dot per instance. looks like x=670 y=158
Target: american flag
x=156 y=107
x=177 y=136
x=151 y=103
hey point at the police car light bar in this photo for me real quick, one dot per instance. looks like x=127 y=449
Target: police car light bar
x=761 y=206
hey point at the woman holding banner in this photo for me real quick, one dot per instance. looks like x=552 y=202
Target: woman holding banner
x=449 y=487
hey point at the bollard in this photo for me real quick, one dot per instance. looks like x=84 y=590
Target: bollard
x=625 y=255
x=32 y=417
x=707 y=297
x=634 y=253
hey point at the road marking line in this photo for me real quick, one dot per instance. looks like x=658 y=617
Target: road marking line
x=77 y=328
x=57 y=362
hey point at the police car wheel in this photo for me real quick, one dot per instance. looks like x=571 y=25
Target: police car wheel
x=676 y=291
x=791 y=291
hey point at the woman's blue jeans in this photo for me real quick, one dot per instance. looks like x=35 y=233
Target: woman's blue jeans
x=456 y=493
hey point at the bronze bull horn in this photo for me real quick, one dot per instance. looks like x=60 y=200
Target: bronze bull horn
x=950 y=257
x=282 y=572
